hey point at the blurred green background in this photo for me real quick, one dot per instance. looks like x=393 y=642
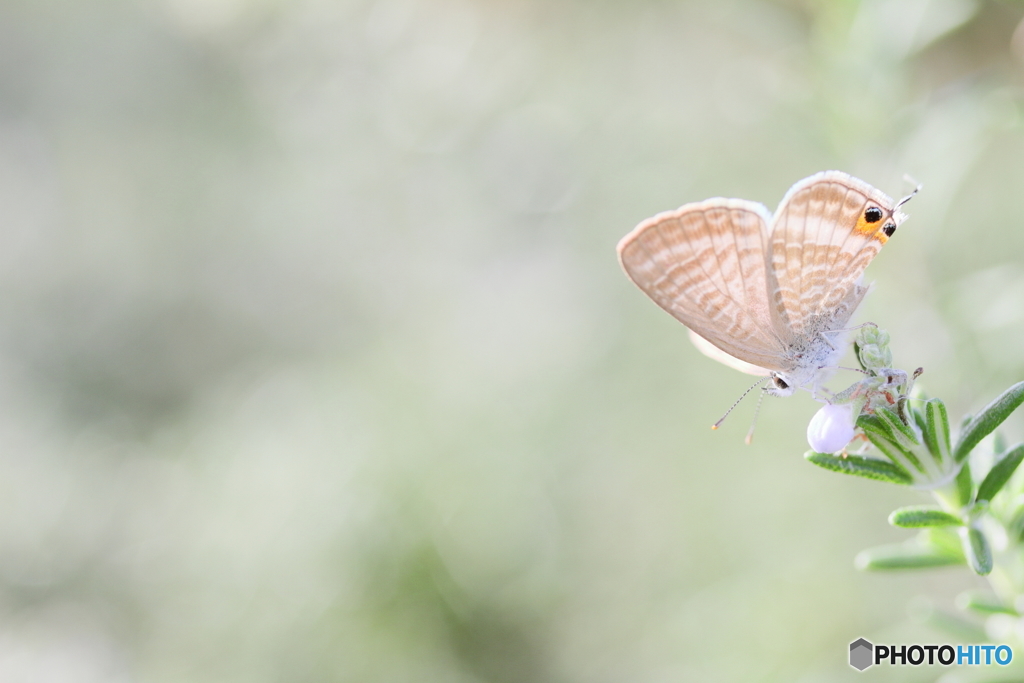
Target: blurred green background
x=316 y=363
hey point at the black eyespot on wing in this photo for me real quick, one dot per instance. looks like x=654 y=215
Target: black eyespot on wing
x=780 y=383
x=889 y=229
x=873 y=214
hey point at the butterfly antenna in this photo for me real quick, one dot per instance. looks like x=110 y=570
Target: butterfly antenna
x=917 y=188
x=742 y=396
x=757 y=411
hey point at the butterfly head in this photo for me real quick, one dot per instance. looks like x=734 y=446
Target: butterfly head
x=780 y=384
x=786 y=383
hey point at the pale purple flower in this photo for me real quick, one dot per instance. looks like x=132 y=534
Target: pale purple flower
x=832 y=427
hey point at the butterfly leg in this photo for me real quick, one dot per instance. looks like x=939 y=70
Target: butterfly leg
x=863 y=447
x=852 y=329
x=826 y=394
x=827 y=340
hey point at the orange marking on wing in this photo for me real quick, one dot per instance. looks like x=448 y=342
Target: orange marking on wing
x=872 y=230
x=865 y=228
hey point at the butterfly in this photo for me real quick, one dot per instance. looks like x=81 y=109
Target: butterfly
x=767 y=294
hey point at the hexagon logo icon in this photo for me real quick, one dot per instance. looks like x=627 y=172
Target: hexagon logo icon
x=860 y=654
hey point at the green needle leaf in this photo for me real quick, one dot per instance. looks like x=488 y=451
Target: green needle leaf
x=871 y=468
x=871 y=424
x=983 y=602
x=998 y=443
x=904 y=435
x=908 y=555
x=990 y=417
x=964 y=484
x=955 y=625
x=1000 y=473
x=923 y=515
x=941 y=539
x=1015 y=527
x=977 y=551
x=882 y=437
x=936 y=430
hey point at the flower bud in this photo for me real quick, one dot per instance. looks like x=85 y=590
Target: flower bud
x=873 y=348
x=832 y=427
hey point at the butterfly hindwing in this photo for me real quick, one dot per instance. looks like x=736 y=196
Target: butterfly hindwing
x=705 y=264
x=823 y=235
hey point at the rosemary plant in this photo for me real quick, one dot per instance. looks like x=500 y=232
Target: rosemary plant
x=977 y=517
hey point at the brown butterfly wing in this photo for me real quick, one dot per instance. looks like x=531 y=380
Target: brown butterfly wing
x=822 y=238
x=705 y=264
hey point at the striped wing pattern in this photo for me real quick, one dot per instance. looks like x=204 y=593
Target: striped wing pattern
x=820 y=245
x=765 y=289
x=705 y=264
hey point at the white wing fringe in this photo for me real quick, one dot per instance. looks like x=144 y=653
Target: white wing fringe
x=712 y=351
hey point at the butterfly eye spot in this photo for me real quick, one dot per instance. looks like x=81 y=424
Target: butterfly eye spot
x=889 y=229
x=873 y=214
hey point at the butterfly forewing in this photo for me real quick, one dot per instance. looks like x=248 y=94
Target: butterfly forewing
x=705 y=264
x=819 y=246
